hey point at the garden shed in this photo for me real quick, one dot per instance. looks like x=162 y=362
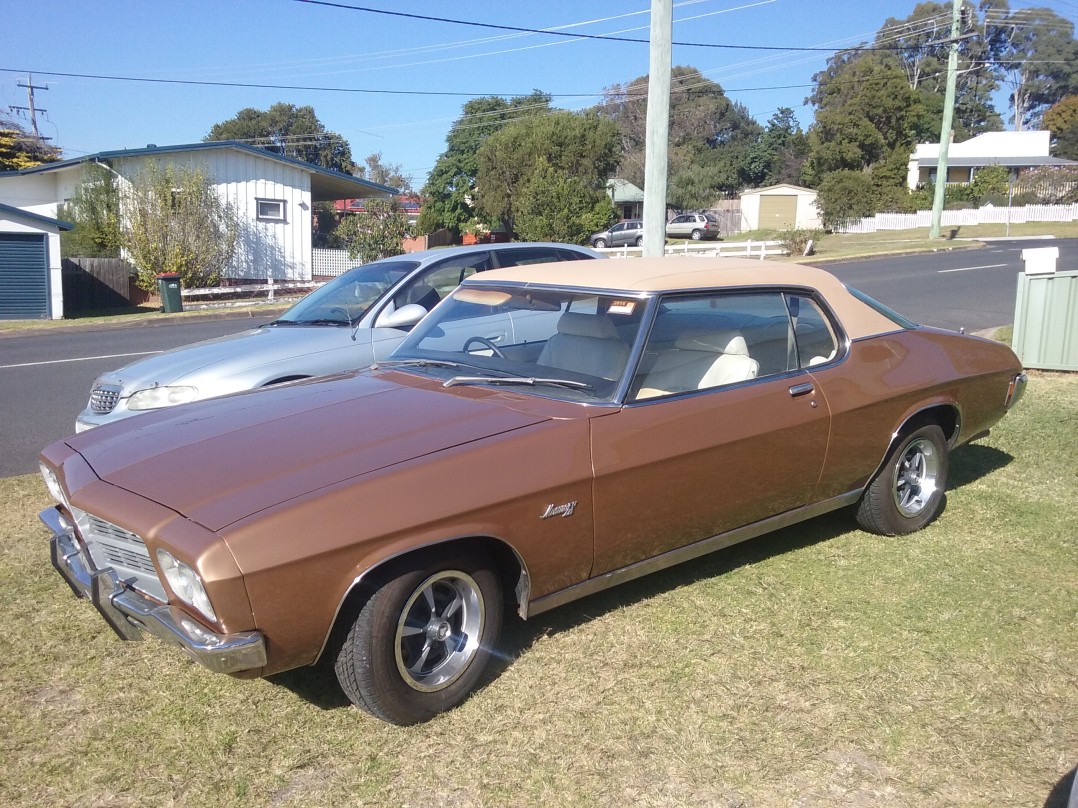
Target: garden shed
x=779 y=207
x=30 y=287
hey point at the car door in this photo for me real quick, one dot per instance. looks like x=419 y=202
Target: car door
x=714 y=453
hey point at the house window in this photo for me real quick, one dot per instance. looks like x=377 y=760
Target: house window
x=270 y=210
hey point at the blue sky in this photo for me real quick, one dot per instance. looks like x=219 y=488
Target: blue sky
x=285 y=42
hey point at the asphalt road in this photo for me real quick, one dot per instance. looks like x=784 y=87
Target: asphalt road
x=45 y=375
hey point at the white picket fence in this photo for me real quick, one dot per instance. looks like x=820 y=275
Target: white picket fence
x=989 y=214
x=753 y=249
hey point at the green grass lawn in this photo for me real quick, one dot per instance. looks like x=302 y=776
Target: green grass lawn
x=817 y=666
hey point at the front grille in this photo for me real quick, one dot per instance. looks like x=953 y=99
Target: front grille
x=110 y=546
x=104 y=398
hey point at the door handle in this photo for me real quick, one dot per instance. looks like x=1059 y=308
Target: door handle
x=801 y=389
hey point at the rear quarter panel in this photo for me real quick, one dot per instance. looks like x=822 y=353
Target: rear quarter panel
x=885 y=380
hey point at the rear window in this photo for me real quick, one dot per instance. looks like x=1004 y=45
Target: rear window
x=889 y=313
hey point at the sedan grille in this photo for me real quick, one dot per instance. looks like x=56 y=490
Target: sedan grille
x=104 y=398
x=110 y=546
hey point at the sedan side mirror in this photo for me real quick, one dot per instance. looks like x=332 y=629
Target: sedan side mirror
x=404 y=317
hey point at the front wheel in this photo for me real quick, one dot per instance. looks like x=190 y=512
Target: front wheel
x=908 y=492
x=421 y=643
x=599 y=243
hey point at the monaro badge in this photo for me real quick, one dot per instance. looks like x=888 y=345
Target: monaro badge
x=559 y=510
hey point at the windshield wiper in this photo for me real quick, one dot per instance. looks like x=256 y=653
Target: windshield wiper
x=529 y=381
x=280 y=322
x=419 y=363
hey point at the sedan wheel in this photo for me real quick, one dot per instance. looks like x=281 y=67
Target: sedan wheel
x=908 y=492
x=423 y=640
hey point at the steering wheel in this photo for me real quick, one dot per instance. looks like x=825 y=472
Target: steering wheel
x=486 y=343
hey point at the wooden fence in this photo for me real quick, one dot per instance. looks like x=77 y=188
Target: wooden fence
x=98 y=283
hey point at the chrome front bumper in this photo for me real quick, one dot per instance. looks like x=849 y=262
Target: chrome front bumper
x=130 y=613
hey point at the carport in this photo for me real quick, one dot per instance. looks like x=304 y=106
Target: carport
x=30 y=286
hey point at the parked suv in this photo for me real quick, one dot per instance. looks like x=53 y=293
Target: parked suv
x=693 y=225
x=348 y=323
x=629 y=233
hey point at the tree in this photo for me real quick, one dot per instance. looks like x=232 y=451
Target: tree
x=865 y=110
x=94 y=209
x=1062 y=119
x=710 y=137
x=174 y=221
x=449 y=195
x=844 y=196
x=288 y=130
x=582 y=146
x=19 y=149
x=377 y=232
x=922 y=43
x=1036 y=51
x=554 y=205
x=391 y=174
x=780 y=153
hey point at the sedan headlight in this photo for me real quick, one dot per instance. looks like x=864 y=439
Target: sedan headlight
x=52 y=482
x=154 y=398
x=184 y=581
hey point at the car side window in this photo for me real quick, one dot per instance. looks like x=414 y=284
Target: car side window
x=440 y=279
x=705 y=341
x=814 y=337
x=526 y=255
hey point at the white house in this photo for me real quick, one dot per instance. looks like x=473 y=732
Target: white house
x=1015 y=151
x=30 y=281
x=273 y=195
x=780 y=207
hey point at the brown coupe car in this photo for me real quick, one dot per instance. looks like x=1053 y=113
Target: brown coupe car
x=543 y=434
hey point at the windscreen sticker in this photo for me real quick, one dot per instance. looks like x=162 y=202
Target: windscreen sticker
x=622 y=307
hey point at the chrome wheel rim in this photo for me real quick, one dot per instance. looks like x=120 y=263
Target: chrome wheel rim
x=439 y=629
x=916 y=477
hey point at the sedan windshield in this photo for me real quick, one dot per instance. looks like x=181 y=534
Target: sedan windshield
x=564 y=344
x=344 y=300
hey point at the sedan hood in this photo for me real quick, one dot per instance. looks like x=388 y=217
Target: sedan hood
x=236 y=353
x=221 y=460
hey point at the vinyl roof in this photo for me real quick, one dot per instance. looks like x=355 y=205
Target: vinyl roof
x=675 y=273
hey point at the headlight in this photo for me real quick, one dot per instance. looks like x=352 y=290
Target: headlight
x=157 y=397
x=184 y=581
x=52 y=482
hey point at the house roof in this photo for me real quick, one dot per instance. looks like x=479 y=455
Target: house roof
x=623 y=191
x=59 y=224
x=1006 y=162
x=785 y=185
x=326 y=184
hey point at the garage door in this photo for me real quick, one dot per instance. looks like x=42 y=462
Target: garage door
x=778 y=212
x=24 y=277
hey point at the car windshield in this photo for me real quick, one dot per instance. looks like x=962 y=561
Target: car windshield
x=346 y=299
x=559 y=343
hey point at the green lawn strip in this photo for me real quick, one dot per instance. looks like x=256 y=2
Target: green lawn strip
x=817 y=665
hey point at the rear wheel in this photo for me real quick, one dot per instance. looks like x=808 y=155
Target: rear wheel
x=908 y=492
x=639 y=241
x=422 y=641
x=697 y=235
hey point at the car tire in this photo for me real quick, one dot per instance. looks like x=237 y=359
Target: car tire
x=599 y=243
x=909 y=491
x=422 y=641
x=639 y=241
x=697 y=235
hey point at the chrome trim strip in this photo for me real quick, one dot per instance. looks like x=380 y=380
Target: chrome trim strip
x=129 y=613
x=683 y=554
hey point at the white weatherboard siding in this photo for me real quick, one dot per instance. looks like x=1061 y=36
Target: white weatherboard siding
x=264 y=249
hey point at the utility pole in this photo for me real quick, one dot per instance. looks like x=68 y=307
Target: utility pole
x=30 y=87
x=656 y=143
x=948 y=120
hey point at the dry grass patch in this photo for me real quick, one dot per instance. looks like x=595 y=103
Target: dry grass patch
x=817 y=666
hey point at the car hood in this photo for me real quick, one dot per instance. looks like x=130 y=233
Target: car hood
x=235 y=353
x=221 y=460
